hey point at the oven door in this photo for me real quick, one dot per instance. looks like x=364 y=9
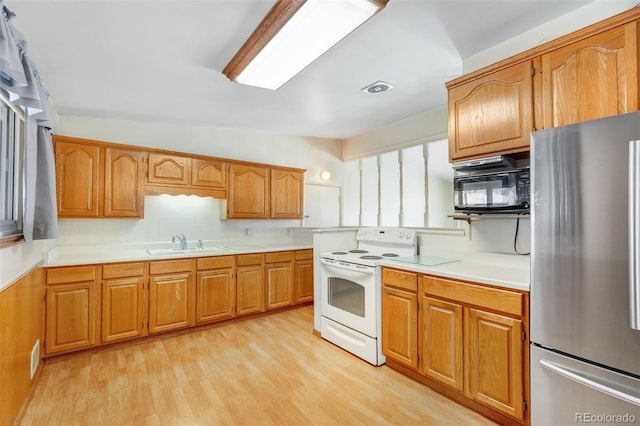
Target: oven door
x=349 y=296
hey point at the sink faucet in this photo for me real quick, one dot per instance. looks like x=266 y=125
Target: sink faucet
x=183 y=241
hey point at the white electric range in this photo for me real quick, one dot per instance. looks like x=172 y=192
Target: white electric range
x=351 y=290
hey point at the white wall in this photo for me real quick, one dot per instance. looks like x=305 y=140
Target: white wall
x=196 y=217
x=428 y=126
x=575 y=20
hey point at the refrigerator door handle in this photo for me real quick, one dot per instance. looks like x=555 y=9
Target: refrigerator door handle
x=634 y=233
x=591 y=382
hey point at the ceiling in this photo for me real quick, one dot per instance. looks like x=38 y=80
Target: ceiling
x=161 y=61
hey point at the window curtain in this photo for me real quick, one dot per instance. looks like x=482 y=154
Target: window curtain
x=20 y=77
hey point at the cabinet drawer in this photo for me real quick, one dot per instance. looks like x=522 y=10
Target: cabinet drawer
x=121 y=270
x=217 y=262
x=400 y=279
x=279 y=256
x=506 y=301
x=71 y=275
x=169 y=266
x=249 y=259
x=304 y=254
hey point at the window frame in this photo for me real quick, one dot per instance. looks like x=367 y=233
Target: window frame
x=12 y=178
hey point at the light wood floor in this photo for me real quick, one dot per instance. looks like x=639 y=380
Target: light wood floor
x=269 y=370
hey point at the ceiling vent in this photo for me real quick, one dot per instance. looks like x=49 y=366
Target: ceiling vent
x=377 y=87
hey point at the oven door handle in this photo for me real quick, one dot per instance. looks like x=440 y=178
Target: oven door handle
x=356 y=270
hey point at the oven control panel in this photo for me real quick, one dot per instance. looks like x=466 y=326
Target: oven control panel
x=387 y=235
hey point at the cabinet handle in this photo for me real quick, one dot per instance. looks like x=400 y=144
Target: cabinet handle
x=634 y=233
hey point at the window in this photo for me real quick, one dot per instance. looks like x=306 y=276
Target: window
x=12 y=131
x=410 y=187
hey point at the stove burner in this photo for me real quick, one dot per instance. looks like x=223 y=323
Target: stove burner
x=358 y=251
x=370 y=257
x=338 y=252
x=390 y=255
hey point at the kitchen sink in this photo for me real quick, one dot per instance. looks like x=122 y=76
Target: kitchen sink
x=193 y=250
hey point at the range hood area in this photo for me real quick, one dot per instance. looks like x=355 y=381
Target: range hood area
x=494 y=162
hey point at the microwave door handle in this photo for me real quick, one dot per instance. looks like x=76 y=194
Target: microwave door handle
x=634 y=233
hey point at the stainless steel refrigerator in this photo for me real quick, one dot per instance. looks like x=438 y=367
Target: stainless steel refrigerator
x=585 y=295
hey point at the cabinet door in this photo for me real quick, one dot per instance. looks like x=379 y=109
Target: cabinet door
x=494 y=348
x=279 y=285
x=77 y=179
x=215 y=295
x=593 y=78
x=286 y=194
x=72 y=315
x=123 y=182
x=250 y=289
x=170 y=304
x=248 y=192
x=208 y=173
x=400 y=326
x=168 y=169
x=442 y=342
x=492 y=114
x=303 y=281
x=122 y=308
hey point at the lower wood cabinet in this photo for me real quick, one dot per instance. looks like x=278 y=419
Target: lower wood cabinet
x=494 y=350
x=124 y=307
x=303 y=276
x=279 y=279
x=469 y=337
x=215 y=289
x=171 y=295
x=441 y=328
x=91 y=305
x=72 y=307
x=249 y=284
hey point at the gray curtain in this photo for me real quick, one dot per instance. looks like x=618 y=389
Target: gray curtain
x=20 y=77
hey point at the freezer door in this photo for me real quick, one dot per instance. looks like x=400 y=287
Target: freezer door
x=580 y=300
x=566 y=391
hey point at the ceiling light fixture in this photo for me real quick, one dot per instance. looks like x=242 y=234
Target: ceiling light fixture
x=292 y=35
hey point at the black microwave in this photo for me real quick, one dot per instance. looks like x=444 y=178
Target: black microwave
x=497 y=192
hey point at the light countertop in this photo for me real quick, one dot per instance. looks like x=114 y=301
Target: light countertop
x=111 y=253
x=505 y=270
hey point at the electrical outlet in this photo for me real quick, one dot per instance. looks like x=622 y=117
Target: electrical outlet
x=249 y=232
x=35 y=357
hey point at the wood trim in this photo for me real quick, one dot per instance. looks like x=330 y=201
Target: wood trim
x=21 y=325
x=596 y=28
x=11 y=240
x=273 y=22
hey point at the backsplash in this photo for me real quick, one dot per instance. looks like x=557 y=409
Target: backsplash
x=166 y=215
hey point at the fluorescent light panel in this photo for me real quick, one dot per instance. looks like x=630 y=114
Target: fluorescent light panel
x=311 y=31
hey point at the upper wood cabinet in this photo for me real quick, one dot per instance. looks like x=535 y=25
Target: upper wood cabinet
x=493 y=113
x=248 y=192
x=208 y=173
x=93 y=181
x=168 y=169
x=592 y=78
x=286 y=194
x=588 y=74
x=77 y=179
x=123 y=183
